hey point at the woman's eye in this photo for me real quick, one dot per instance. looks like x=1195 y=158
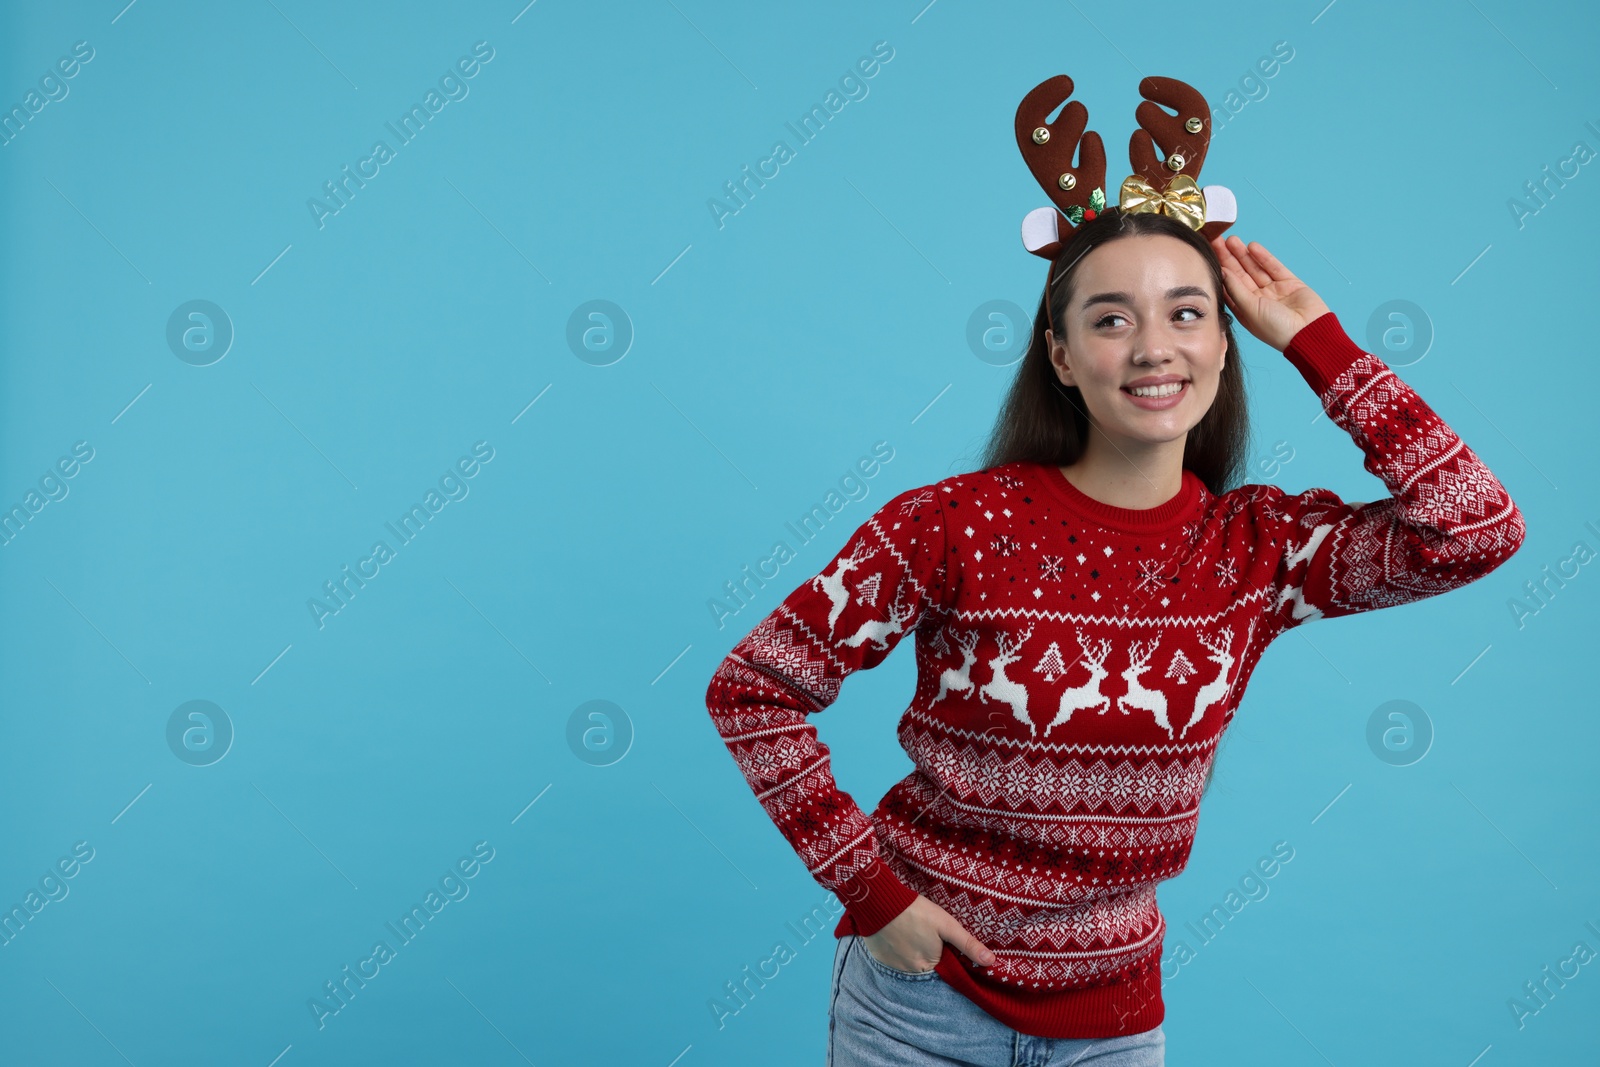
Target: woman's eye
x=1198 y=315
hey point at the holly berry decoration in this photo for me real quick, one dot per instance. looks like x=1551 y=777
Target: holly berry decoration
x=1097 y=204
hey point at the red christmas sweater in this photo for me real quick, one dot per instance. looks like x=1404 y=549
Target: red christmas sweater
x=1077 y=664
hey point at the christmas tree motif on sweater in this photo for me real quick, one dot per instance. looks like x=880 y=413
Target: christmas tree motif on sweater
x=1051 y=664
x=1004 y=689
x=1180 y=667
x=1088 y=695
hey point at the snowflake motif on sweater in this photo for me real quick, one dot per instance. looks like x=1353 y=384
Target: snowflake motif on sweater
x=1077 y=664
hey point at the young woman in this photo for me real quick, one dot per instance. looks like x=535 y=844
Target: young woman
x=1088 y=608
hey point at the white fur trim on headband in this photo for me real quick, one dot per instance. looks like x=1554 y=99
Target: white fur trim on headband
x=1220 y=204
x=1039 y=229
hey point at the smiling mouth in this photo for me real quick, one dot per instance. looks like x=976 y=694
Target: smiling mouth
x=1157 y=392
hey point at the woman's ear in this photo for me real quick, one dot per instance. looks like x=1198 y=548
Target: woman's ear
x=1062 y=369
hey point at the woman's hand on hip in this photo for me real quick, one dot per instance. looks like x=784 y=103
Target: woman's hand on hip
x=1265 y=296
x=914 y=939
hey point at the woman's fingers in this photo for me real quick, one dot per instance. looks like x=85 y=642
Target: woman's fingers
x=966 y=944
x=1232 y=295
x=1234 y=277
x=1254 y=265
x=1270 y=264
x=1239 y=267
x=1268 y=270
x=1225 y=255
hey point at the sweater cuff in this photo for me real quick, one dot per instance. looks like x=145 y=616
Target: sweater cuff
x=874 y=897
x=1321 y=351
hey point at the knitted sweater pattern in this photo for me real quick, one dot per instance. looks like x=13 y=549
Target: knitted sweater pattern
x=1077 y=665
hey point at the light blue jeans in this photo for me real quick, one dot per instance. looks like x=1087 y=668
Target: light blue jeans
x=879 y=1016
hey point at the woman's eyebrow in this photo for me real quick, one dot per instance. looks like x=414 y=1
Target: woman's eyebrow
x=1124 y=298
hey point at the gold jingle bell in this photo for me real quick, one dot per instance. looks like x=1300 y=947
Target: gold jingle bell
x=1193 y=125
x=1041 y=135
x=1175 y=161
x=1066 y=181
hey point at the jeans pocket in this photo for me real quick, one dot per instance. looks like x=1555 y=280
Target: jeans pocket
x=895 y=972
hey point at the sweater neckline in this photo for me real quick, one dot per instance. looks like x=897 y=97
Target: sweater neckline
x=1133 y=520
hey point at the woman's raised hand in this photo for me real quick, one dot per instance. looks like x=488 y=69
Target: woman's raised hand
x=1263 y=294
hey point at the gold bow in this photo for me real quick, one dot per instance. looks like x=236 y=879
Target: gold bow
x=1182 y=199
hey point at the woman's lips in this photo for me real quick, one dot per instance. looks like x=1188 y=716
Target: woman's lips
x=1158 y=403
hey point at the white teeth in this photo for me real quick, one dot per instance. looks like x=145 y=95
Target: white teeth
x=1157 y=390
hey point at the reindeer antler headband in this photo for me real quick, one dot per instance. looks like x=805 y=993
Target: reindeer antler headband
x=1167 y=185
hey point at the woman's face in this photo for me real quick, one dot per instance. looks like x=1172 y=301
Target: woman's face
x=1143 y=313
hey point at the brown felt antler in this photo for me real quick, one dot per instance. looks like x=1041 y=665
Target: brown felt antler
x=1048 y=148
x=1183 y=150
x=1183 y=139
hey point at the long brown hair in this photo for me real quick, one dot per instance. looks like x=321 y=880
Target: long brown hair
x=1043 y=421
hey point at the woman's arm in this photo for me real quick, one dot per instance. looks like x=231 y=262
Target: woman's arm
x=1448 y=520
x=849 y=617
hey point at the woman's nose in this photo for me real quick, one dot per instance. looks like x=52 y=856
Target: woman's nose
x=1154 y=344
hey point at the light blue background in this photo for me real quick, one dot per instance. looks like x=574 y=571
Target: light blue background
x=768 y=355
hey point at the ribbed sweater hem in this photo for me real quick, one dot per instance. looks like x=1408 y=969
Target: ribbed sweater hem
x=1130 y=1007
